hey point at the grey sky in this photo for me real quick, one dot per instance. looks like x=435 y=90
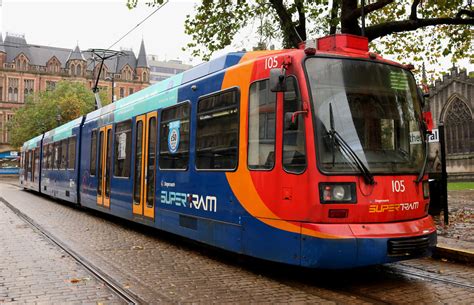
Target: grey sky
x=98 y=24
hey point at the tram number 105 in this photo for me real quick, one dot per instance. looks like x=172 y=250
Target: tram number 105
x=271 y=62
x=398 y=186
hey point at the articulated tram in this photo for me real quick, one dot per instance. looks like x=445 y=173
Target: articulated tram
x=312 y=157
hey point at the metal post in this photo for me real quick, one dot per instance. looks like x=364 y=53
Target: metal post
x=444 y=174
x=363 y=17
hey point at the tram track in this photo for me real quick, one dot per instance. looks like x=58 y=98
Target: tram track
x=427 y=275
x=101 y=276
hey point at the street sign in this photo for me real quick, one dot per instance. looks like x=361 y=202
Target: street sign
x=434 y=136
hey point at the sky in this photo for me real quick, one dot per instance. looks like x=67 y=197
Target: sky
x=99 y=23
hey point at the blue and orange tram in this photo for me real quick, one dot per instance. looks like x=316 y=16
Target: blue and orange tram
x=311 y=156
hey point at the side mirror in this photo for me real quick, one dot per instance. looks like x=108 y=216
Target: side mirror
x=277 y=80
x=428 y=119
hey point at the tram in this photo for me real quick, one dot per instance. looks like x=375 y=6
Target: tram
x=311 y=157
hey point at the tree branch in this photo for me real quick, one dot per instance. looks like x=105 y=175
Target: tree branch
x=414 y=7
x=301 y=28
x=289 y=31
x=465 y=12
x=380 y=30
x=368 y=8
x=334 y=10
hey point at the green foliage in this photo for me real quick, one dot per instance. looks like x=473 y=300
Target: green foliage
x=216 y=23
x=49 y=109
x=427 y=44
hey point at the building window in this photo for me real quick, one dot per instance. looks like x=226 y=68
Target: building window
x=174 y=135
x=294 y=139
x=262 y=109
x=104 y=72
x=78 y=70
x=122 y=92
x=130 y=91
x=13 y=89
x=29 y=85
x=21 y=63
x=217 y=135
x=53 y=65
x=459 y=128
x=72 y=69
x=123 y=149
x=50 y=85
x=2 y=124
x=144 y=77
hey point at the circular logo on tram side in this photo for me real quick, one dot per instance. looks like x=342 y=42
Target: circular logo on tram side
x=173 y=137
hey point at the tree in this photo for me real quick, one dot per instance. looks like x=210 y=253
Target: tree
x=426 y=28
x=48 y=109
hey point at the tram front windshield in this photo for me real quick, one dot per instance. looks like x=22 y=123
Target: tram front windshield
x=375 y=109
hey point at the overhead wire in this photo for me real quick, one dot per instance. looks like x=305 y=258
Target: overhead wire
x=136 y=26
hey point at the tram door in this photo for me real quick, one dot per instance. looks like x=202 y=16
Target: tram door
x=104 y=170
x=145 y=164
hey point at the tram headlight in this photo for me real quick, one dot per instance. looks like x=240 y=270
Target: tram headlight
x=337 y=192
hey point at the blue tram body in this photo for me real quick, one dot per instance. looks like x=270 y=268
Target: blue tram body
x=175 y=156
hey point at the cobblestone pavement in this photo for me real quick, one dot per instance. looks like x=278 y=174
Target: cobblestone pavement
x=461 y=217
x=32 y=269
x=161 y=267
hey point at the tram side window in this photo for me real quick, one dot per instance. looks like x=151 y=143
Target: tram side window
x=30 y=161
x=294 y=140
x=45 y=154
x=50 y=156
x=37 y=159
x=217 y=135
x=174 y=135
x=25 y=164
x=28 y=157
x=123 y=149
x=57 y=155
x=93 y=154
x=71 y=158
x=262 y=109
x=63 y=154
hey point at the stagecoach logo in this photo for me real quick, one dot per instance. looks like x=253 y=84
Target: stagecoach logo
x=173 y=136
x=395 y=207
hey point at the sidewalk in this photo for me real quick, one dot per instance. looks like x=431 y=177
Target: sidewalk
x=33 y=270
x=456 y=240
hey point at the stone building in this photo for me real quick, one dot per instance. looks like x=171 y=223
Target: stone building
x=452 y=102
x=26 y=69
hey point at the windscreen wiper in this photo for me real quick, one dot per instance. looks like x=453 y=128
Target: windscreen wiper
x=337 y=140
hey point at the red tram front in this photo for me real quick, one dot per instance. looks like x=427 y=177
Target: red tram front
x=351 y=178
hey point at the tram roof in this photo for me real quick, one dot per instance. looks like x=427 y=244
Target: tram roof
x=32 y=143
x=166 y=91
x=64 y=131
